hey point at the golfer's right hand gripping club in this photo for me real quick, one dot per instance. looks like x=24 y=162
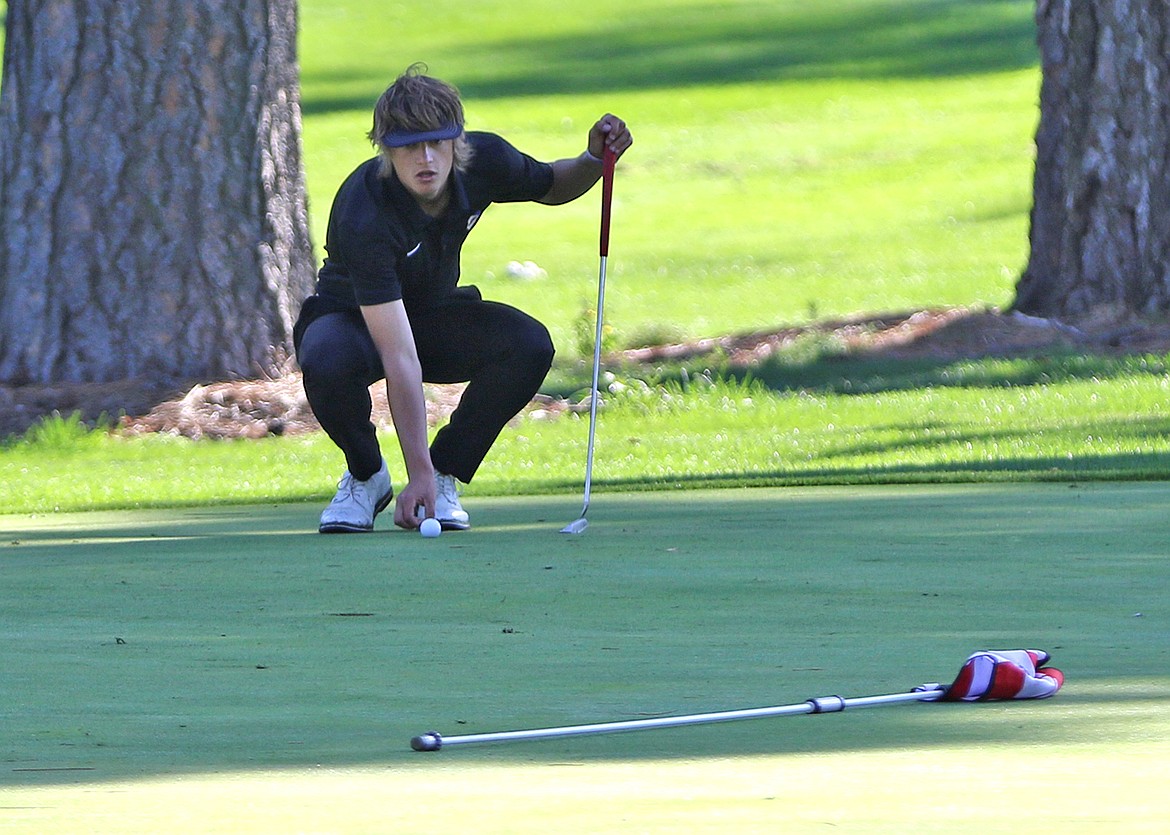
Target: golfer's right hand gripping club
x=608 y=162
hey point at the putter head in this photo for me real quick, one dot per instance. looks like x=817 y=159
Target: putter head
x=576 y=526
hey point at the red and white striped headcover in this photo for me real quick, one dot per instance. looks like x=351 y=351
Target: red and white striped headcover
x=1005 y=674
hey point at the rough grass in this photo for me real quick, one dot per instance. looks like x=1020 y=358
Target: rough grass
x=801 y=421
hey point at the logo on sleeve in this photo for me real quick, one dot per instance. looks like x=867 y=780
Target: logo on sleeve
x=474 y=219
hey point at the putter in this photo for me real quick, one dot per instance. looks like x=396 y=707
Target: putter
x=433 y=740
x=581 y=523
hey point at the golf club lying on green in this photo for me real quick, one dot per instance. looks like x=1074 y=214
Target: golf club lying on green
x=988 y=675
x=610 y=159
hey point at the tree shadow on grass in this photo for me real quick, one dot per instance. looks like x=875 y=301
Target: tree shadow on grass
x=744 y=42
x=1148 y=467
x=942 y=348
x=919 y=438
x=861 y=375
x=866 y=375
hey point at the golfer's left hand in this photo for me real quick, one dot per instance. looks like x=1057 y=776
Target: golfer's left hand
x=611 y=132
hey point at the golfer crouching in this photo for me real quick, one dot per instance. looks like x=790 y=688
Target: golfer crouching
x=388 y=304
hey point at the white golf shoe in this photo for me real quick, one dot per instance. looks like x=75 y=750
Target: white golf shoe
x=357 y=503
x=448 y=511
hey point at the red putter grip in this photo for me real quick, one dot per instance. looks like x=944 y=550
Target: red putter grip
x=609 y=159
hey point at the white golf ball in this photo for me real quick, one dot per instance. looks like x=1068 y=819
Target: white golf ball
x=430 y=528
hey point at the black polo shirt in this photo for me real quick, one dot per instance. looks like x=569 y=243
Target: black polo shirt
x=382 y=247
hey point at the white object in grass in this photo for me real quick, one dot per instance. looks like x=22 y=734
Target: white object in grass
x=527 y=270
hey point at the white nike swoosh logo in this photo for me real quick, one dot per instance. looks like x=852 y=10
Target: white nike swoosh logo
x=417 y=247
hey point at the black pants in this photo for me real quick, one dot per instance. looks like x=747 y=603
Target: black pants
x=502 y=354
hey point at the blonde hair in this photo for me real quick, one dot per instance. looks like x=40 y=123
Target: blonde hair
x=418 y=103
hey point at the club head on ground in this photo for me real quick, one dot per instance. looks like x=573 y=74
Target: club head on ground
x=576 y=526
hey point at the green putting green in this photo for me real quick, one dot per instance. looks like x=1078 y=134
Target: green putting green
x=229 y=669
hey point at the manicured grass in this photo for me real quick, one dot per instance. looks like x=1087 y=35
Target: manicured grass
x=229 y=670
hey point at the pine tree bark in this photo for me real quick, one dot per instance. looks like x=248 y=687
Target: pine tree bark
x=153 y=217
x=1100 y=239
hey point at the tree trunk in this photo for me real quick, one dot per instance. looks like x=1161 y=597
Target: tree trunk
x=1100 y=238
x=153 y=217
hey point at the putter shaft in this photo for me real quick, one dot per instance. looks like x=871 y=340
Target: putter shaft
x=579 y=524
